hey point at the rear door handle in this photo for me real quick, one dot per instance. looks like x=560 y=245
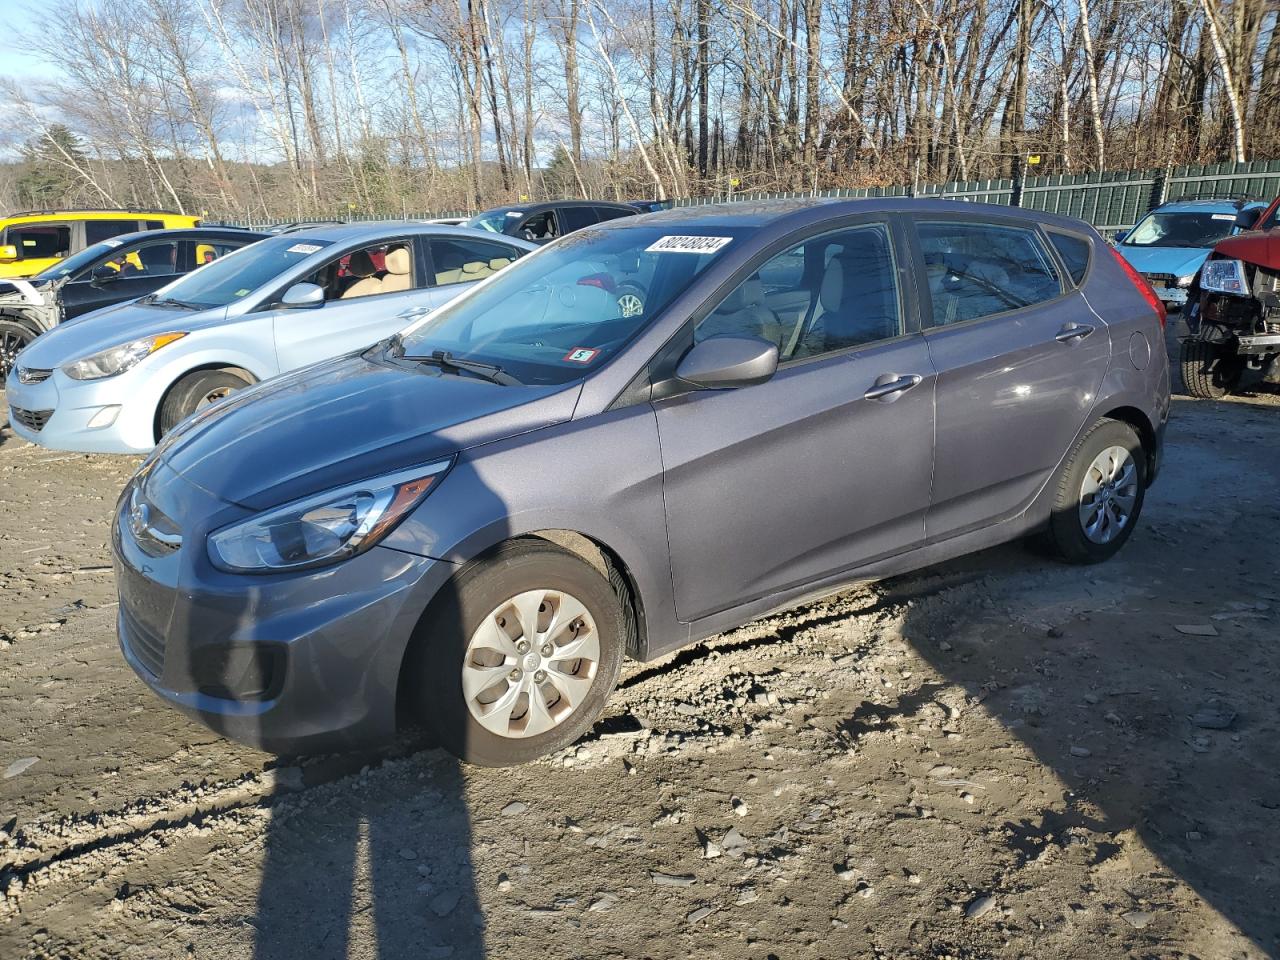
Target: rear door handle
x=889 y=389
x=1073 y=331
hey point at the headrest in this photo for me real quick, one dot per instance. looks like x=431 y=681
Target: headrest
x=833 y=282
x=398 y=261
x=158 y=255
x=497 y=263
x=749 y=293
x=361 y=265
x=475 y=266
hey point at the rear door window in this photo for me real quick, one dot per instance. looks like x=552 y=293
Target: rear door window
x=978 y=270
x=95 y=231
x=1074 y=253
x=541 y=227
x=575 y=218
x=613 y=213
x=461 y=259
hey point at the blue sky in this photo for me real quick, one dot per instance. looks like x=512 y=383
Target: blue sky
x=15 y=61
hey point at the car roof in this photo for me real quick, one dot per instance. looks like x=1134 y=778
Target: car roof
x=375 y=230
x=797 y=212
x=541 y=205
x=188 y=233
x=1209 y=205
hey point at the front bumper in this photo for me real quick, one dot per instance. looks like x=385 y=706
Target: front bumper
x=287 y=663
x=84 y=416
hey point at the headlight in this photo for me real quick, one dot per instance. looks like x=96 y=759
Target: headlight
x=1224 y=276
x=1185 y=282
x=116 y=360
x=323 y=528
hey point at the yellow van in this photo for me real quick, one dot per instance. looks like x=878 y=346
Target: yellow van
x=32 y=241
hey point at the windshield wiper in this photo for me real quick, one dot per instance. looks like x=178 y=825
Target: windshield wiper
x=446 y=361
x=169 y=302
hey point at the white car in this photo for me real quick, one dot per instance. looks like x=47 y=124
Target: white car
x=116 y=380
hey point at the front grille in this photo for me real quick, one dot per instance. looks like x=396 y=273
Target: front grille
x=1161 y=279
x=144 y=644
x=32 y=375
x=33 y=420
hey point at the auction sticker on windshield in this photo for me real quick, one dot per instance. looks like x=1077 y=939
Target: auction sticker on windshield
x=687 y=245
x=581 y=355
x=304 y=248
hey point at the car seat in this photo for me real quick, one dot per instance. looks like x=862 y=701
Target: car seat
x=399 y=270
x=857 y=302
x=361 y=265
x=742 y=313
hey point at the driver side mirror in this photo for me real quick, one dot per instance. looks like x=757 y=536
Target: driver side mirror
x=103 y=274
x=303 y=296
x=1247 y=219
x=9 y=253
x=727 y=361
x=1118 y=237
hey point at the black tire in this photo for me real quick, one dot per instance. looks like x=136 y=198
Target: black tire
x=194 y=391
x=1066 y=538
x=433 y=680
x=14 y=337
x=1210 y=370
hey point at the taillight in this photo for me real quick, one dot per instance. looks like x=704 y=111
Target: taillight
x=1144 y=288
x=601 y=280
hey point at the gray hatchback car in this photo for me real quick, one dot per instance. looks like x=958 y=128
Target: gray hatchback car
x=474 y=522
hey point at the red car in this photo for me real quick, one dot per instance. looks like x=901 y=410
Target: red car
x=1235 y=322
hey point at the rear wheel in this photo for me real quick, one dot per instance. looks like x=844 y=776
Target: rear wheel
x=1100 y=491
x=193 y=392
x=517 y=655
x=13 y=338
x=1210 y=370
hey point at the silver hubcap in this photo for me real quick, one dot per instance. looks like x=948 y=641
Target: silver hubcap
x=530 y=663
x=630 y=305
x=1108 y=494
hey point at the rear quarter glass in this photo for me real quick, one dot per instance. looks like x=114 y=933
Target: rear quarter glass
x=1075 y=254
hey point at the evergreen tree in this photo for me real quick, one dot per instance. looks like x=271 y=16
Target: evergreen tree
x=50 y=178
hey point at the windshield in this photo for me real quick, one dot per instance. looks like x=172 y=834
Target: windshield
x=555 y=315
x=64 y=268
x=1181 y=230
x=493 y=220
x=239 y=273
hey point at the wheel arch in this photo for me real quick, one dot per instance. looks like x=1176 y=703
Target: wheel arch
x=1146 y=431
x=23 y=318
x=245 y=374
x=595 y=553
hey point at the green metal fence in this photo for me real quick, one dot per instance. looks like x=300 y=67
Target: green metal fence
x=1110 y=201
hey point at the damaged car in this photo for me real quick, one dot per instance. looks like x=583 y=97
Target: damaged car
x=1234 y=324
x=113 y=271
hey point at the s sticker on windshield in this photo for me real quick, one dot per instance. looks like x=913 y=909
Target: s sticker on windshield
x=241 y=293
x=304 y=248
x=581 y=355
x=687 y=245
x=1224 y=216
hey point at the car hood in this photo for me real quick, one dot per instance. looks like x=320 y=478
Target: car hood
x=345 y=420
x=109 y=327
x=1258 y=247
x=1179 y=261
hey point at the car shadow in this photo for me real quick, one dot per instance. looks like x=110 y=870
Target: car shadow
x=1085 y=666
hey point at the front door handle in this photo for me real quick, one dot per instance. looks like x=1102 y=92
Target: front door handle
x=887 y=386
x=1073 y=331
x=414 y=313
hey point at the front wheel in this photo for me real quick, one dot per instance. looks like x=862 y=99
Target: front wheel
x=13 y=338
x=517 y=655
x=1100 y=490
x=194 y=392
x=1210 y=370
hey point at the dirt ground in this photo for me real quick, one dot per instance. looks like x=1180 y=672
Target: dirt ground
x=998 y=757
